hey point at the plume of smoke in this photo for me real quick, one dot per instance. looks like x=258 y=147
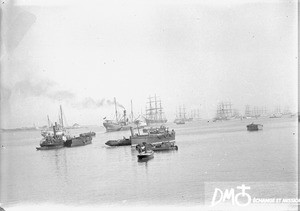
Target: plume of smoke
x=43 y=88
x=91 y=103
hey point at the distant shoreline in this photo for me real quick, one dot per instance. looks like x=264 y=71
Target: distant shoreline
x=42 y=128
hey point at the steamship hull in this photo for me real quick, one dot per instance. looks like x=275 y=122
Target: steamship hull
x=82 y=140
x=151 y=138
x=110 y=127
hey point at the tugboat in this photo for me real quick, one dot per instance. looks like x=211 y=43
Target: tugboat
x=120 y=142
x=254 y=127
x=55 y=141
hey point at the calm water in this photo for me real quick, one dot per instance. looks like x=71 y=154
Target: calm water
x=209 y=153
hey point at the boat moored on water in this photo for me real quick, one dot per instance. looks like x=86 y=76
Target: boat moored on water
x=145 y=152
x=50 y=147
x=81 y=140
x=59 y=138
x=152 y=137
x=120 y=142
x=254 y=127
x=146 y=155
x=164 y=146
x=123 y=123
x=154 y=111
x=55 y=141
x=179 y=121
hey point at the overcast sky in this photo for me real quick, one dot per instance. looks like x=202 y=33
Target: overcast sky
x=186 y=52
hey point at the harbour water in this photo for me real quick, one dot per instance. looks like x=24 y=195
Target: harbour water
x=209 y=153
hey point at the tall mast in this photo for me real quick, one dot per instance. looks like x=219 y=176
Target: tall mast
x=116 y=109
x=160 y=111
x=61 y=117
x=49 y=124
x=131 y=111
x=180 y=116
x=155 y=108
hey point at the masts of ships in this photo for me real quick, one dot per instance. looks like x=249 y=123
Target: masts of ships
x=59 y=138
x=154 y=111
x=180 y=116
x=122 y=123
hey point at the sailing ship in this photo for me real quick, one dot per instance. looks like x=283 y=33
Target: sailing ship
x=123 y=123
x=225 y=111
x=277 y=113
x=180 y=116
x=255 y=112
x=154 y=111
x=195 y=114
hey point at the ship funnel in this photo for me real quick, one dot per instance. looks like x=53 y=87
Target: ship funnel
x=54 y=129
x=131 y=130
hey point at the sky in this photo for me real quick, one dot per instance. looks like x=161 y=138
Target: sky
x=192 y=53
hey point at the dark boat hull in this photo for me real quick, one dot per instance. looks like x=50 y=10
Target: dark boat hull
x=78 y=141
x=49 y=147
x=164 y=148
x=147 y=155
x=254 y=127
x=121 y=142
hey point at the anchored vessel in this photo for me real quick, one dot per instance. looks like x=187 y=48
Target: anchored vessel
x=152 y=137
x=164 y=146
x=254 y=127
x=181 y=117
x=123 y=123
x=146 y=155
x=60 y=138
x=154 y=111
x=81 y=140
x=54 y=141
x=120 y=142
x=48 y=130
x=226 y=112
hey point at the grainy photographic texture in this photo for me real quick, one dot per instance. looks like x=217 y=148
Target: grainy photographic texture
x=149 y=104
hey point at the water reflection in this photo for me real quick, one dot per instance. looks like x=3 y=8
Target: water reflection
x=144 y=160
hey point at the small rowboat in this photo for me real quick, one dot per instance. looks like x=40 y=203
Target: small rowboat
x=146 y=155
